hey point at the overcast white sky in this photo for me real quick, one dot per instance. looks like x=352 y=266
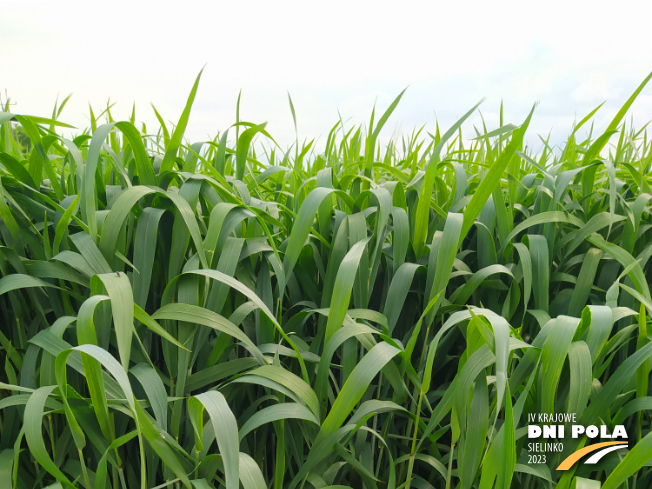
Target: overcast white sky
x=568 y=56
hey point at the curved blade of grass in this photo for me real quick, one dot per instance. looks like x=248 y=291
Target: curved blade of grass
x=346 y=275
x=292 y=382
x=355 y=386
x=34 y=433
x=423 y=206
x=199 y=315
x=175 y=141
x=226 y=432
x=119 y=291
x=492 y=177
x=277 y=412
x=250 y=474
x=242 y=149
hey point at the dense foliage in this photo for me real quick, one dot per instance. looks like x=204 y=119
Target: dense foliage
x=215 y=314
